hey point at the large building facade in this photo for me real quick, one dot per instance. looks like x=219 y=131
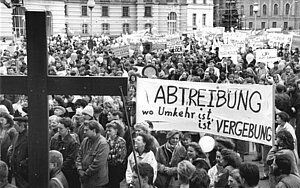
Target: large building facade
x=226 y=14
x=284 y=14
x=111 y=17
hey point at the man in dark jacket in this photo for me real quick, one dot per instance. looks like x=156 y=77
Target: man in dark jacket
x=92 y=157
x=19 y=159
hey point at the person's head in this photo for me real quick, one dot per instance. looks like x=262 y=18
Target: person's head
x=53 y=123
x=142 y=143
x=6 y=120
x=186 y=139
x=199 y=179
x=88 y=112
x=173 y=137
x=91 y=128
x=146 y=174
x=194 y=151
x=281 y=165
x=249 y=174
x=64 y=126
x=282 y=118
x=234 y=179
x=21 y=123
x=1 y=97
x=185 y=170
x=59 y=111
x=141 y=127
x=114 y=128
x=55 y=161
x=3 y=172
x=285 y=140
x=107 y=107
x=229 y=158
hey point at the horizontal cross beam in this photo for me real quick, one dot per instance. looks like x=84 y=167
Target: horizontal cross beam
x=66 y=85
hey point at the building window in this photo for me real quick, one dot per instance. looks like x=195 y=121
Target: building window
x=19 y=21
x=148 y=11
x=105 y=28
x=204 y=1
x=148 y=26
x=263 y=25
x=83 y=10
x=172 y=23
x=147 y=1
x=276 y=9
x=125 y=11
x=194 y=19
x=126 y=28
x=251 y=10
x=203 y=19
x=104 y=10
x=274 y=24
x=195 y=1
x=250 y=25
x=84 y=28
x=287 y=9
x=242 y=9
x=285 y=25
x=66 y=10
x=264 y=10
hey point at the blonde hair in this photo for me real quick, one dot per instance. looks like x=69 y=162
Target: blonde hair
x=185 y=171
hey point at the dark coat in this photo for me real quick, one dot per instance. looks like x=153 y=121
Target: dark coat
x=167 y=166
x=92 y=158
x=19 y=159
x=69 y=149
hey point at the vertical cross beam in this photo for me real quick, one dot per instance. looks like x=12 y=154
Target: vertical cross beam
x=37 y=98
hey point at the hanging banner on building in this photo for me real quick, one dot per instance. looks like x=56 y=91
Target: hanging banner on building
x=121 y=51
x=229 y=110
x=266 y=55
x=227 y=50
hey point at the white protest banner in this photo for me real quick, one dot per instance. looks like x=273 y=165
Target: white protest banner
x=227 y=50
x=121 y=51
x=229 y=110
x=266 y=55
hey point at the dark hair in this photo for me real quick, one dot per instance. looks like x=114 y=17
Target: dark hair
x=198 y=149
x=284 y=116
x=149 y=123
x=80 y=102
x=93 y=125
x=287 y=139
x=250 y=172
x=117 y=113
x=145 y=170
x=231 y=157
x=66 y=121
x=284 y=164
x=199 y=179
x=116 y=125
x=147 y=140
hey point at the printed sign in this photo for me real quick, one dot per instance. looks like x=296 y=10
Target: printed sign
x=229 y=110
x=121 y=51
x=295 y=42
x=178 y=49
x=227 y=50
x=266 y=55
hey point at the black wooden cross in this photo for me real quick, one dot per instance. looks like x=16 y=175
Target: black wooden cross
x=38 y=85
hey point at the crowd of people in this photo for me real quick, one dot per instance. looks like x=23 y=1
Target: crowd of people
x=91 y=139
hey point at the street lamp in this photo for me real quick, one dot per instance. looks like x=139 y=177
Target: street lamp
x=91 y=4
x=255 y=10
